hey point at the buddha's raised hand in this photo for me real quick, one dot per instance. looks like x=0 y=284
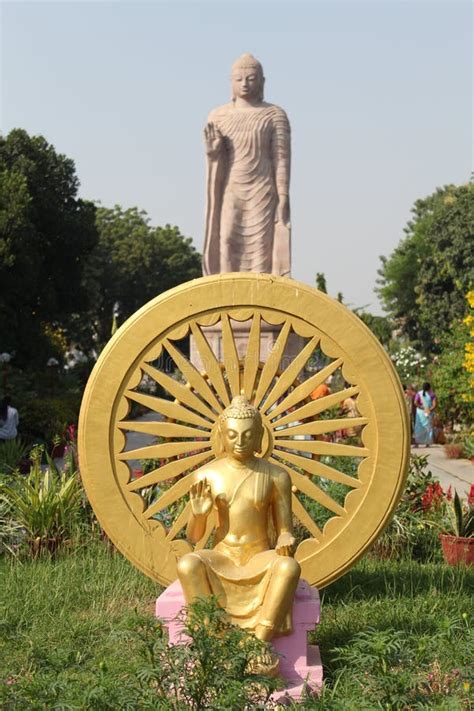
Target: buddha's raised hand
x=201 y=498
x=213 y=139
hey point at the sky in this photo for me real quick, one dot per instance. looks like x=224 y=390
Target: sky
x=379 y=96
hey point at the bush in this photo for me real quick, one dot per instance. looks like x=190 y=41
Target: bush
x=46 y=504
x=44 y=418
x=414 y=529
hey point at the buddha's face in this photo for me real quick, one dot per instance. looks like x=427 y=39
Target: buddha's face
x=241 y=437
x=246 y=83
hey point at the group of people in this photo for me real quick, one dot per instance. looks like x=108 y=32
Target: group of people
x=421 y=405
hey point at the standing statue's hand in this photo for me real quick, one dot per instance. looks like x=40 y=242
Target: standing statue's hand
x=201 y=498
x=283 y=210
x=213 y=139
x=285 y=544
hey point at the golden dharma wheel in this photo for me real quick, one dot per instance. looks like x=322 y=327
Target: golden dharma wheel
x=347 y=465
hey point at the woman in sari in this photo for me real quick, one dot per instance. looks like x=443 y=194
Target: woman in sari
x=425 y=403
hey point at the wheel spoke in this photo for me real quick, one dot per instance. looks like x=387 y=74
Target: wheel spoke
x=192 y=375
x=308 y=487
x=290 y=374
x=272 y=363
x=316 y=446
x=316 y=468
x=231 y=358
x=252 y=357
x=303 y=517
x=162 y=451
x=168 y=471
x=211 y=364
x=180 y=522
x=179 y=391
x=162 y=429
x=321 y=427
x=168 y=408
x=171 y=495
x=303 y=391
x=315 y=407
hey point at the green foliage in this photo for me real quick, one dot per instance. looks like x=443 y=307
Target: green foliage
x=423 y=282
x=321 y=282
x=47 y=416
x=212 y=671
x=451 y=381
x=381 y=326
x=46 y=504
x=413 y=530
x=76 y=633
x=46 y=232
x=12 y=452
x=461 y=518
x=132 y=263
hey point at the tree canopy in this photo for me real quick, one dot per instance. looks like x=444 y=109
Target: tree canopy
x=46 y=232
x=424 y=282
x=132 y=263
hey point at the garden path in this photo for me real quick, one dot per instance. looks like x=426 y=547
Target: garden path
x=457 y=473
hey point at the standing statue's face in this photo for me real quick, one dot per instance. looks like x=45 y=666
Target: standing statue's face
x=241 y=437
x=246 y=84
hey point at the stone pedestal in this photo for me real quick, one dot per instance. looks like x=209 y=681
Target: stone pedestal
x=300 y=662
x=241 y=330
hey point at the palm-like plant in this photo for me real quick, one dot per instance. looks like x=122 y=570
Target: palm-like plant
x=462 y=518
x=46 y=504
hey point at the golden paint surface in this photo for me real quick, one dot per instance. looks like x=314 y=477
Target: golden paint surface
x=131 y=509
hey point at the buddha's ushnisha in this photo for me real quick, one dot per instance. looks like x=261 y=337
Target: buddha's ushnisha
x=248 y=152
x=253 y=578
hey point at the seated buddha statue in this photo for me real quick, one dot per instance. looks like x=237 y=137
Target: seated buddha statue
x=253 y=581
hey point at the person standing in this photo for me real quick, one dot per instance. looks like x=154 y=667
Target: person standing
x=425 y=403
x=410 y=394
x=9 y=419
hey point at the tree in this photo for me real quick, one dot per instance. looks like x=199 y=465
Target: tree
x=321 y=282
x=132 y=263
x=45 y=234
x=381 y=326
x=423 y=282
x=453 y=369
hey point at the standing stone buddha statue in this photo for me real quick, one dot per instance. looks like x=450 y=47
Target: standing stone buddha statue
x=253 y=578
x=248 y=152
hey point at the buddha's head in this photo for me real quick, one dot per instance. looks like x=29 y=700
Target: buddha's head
x=240 y=429
x=247 y=78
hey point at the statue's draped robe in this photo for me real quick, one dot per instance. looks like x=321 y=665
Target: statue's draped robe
x=243 y=185
x=240 y=575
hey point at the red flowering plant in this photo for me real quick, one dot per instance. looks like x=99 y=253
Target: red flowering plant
x=421 y=514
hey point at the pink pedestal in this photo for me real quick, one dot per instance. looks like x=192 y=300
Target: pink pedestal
x=300 y=662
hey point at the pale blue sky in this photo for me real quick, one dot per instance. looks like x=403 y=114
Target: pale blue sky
x=378 y=94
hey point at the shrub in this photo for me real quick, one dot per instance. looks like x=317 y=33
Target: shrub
x=212 y=670
x=418 y=519
x=12 y=452
x=46 y=504
x=44 y=418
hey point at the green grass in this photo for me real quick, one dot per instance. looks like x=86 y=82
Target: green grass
x=386 y=626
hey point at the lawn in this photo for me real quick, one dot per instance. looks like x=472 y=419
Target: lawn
x=394 y=635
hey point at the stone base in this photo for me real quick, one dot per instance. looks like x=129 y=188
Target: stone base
x=300 y=663
x=241 y=329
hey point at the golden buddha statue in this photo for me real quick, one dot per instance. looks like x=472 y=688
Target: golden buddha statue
x=254 y=582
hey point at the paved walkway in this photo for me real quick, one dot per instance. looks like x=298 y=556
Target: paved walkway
x=457 y=473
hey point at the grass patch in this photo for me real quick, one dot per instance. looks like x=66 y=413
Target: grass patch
x=394 y=635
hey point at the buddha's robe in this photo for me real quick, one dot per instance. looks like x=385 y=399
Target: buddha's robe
x=241 y=576
x=243 y=185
